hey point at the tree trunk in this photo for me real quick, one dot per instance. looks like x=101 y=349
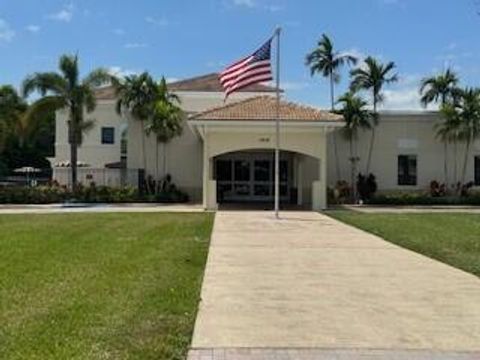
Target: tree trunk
x=352 y=170
x=445 y=162
x=465 y=161
x=144 y=157
x=334 y=135
x=372 y=139
x=157 y=178
x=164 y=159
x=455 y=167
x=72 y=134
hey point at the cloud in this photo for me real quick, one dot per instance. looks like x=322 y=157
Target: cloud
x=252 y=4
x=295 y=85
x=119 y=31
x=157 y=21
x=63 y=15
x=135 y=45
x=355 y=53
x=33 y=28
x=6 y=32
x=245 y=3
x=121 y=72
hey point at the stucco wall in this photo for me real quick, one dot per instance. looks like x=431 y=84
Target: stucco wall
x=408 y=134
x=92 y=151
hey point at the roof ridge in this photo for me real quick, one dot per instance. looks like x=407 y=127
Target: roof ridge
x=228 y=106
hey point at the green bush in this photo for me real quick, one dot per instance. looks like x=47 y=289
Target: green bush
x=410 y=199
x=85 y=194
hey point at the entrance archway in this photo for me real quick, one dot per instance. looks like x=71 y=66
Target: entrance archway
x=246 y=178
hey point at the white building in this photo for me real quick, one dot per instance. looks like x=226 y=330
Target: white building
x=225 y=153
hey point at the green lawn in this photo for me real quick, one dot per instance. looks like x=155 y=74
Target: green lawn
x=451 y=238
x=100 y=286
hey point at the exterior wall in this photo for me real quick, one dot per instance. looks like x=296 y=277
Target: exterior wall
x=184 y=159
x=401 y=134
x=92 y=151
x=307 y=141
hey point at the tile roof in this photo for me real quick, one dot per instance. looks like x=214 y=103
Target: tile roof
x=264 y=108
x=207 y=83
x=211 y=83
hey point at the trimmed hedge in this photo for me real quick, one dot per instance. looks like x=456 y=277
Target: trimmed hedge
x=423 y=199
x=90 y=194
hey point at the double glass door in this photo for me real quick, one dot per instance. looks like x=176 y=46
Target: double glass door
x=250 y=178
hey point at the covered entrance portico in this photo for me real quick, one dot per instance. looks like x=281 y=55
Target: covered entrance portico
x=238 y=146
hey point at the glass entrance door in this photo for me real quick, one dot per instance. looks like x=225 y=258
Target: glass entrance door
x=250 y=178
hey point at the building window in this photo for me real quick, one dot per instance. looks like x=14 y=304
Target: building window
x=477 y=170
x=407 y=170
x=108 y=135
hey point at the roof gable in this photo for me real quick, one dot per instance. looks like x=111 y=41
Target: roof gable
x=263 y=108
x=211 y=83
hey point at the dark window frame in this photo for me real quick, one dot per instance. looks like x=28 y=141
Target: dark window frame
x=407 y=170
x=105 y=137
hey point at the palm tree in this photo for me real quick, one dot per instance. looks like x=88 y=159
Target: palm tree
x=464 y=114
x=470 y=125
x=65 y=90
x=165 y=122
x=356 y=117
x=137 y=95
x=442 y=89
x=10 y=105
x=373 y=77
x=327 y=62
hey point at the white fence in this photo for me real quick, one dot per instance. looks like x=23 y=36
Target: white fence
x=99 y=176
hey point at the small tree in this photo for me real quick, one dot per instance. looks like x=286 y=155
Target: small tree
x=137 y=95
x=442 y=89
x=356 y=117
x=326 y=61
x=373 y=77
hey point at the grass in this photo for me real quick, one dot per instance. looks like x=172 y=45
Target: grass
x=100 y=286
x=451 y=238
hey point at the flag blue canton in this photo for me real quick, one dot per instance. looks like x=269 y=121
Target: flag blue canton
x=264 y=52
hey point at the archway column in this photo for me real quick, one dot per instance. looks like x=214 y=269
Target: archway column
x=319 y=187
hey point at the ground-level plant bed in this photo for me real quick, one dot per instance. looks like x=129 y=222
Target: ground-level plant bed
x=100 y=286
x=451 y=238
x=406 y=199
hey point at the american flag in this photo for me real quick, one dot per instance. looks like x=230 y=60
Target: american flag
x=253 y=69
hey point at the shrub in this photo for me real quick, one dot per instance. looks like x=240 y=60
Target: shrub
x=366 y=186
x=86 y=194
x=411 y=199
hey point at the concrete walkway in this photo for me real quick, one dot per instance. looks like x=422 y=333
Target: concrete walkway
x=308 y=282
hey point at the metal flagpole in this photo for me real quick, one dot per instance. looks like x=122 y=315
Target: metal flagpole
x=277 y=129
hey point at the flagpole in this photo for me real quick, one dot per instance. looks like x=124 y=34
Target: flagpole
x=277 y=129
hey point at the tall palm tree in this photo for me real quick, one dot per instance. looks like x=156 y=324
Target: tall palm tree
x=137 y=95
x=66 y=90
x=465 y=115
x=165 y=122
x=470 y=125
x=373 y=77
x=442 y=89
x=357 y=117
x=326 y=61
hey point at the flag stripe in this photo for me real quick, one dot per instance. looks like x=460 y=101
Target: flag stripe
x=253 y=71
x=238 y=73
x=253 y=80
x=236 y=66
x=250 y=70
